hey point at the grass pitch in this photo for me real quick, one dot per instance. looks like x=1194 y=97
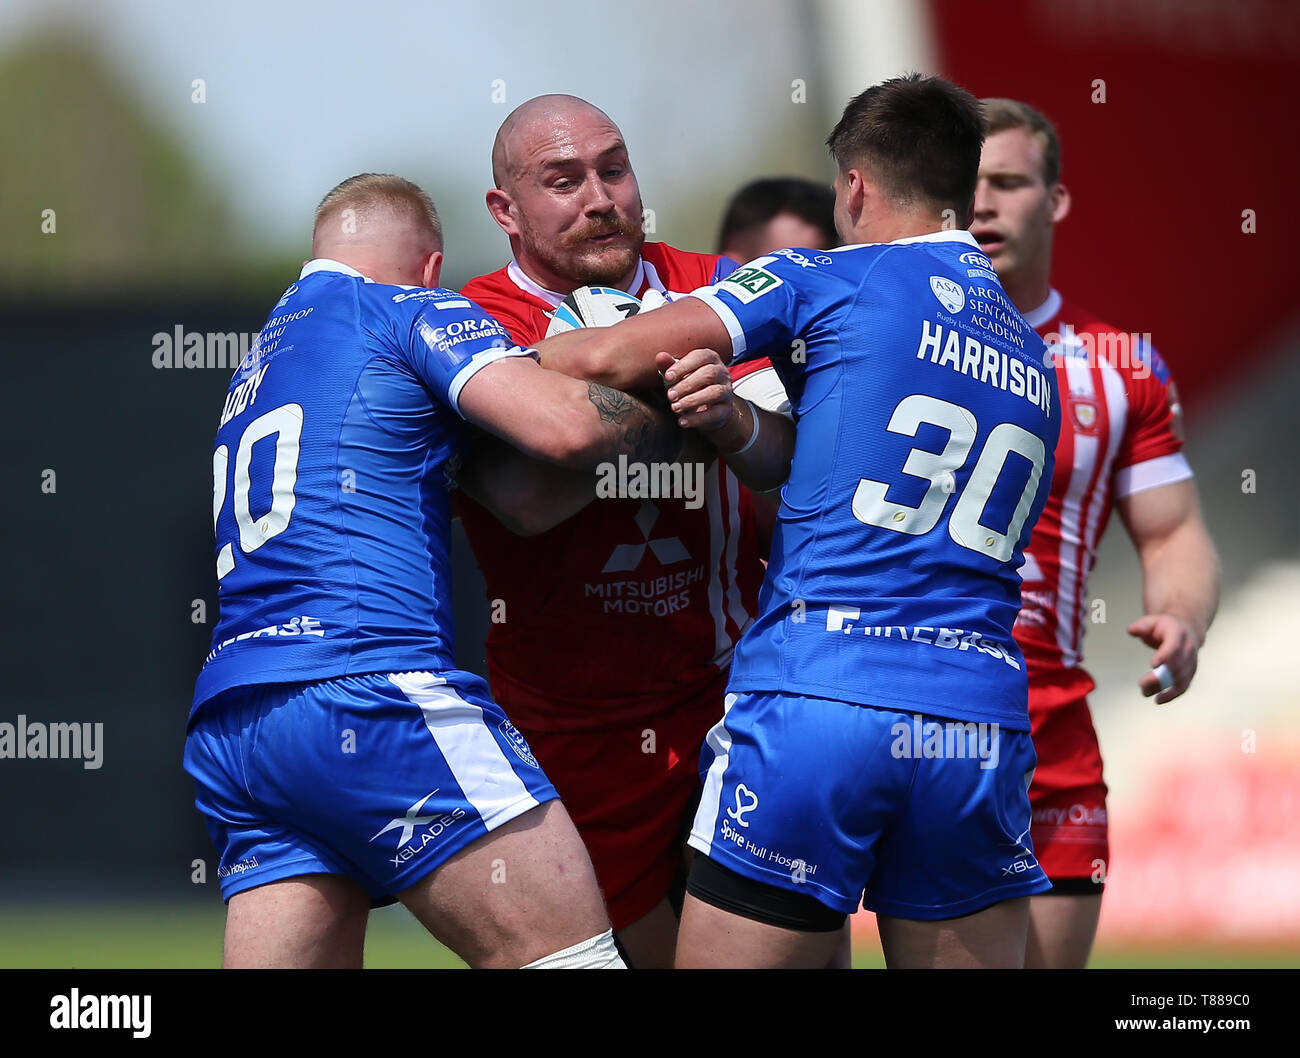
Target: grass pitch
x=188 y=936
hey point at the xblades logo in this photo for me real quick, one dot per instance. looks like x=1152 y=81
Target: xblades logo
x=743 y=807
x=1020 y=866
x=409 y=822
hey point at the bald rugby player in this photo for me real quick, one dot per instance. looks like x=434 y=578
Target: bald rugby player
x=889 y=605
x=621 y=620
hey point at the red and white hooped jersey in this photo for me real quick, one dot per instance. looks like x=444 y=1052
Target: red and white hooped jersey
x=1120 y=434
x=631 y=607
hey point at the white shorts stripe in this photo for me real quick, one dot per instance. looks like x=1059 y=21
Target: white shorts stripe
x=481 y=769
x=706 y=816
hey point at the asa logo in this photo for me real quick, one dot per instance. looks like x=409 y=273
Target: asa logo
x=743 y=807
x=950 y=294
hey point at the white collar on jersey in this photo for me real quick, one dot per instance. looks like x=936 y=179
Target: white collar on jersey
x=1045 y=312
x=324 y=264
x=950 y=235
x=521 y=280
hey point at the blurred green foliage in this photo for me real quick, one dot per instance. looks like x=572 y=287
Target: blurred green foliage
x=130 y=208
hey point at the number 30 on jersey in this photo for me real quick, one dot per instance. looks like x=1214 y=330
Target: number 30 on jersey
x=872 y=508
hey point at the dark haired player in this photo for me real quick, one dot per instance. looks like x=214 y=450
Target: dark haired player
x=920 y=461
x=775 y=212
x=765 y=215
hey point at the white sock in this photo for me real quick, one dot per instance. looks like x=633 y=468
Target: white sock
x=598 y=953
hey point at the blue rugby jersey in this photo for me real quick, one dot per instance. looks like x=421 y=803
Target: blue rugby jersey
x=926 y=428
x=330 y=482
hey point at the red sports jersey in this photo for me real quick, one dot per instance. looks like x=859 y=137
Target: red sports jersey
x=1120 y=434
x=631 y=608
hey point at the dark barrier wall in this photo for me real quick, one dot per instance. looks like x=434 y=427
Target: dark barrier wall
x=105 y=559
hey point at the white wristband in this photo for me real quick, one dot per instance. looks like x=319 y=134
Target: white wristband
x=753 y=412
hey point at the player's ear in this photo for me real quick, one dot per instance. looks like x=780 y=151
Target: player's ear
x=1059 y=197
x=431 y=270
x=856 y=192
x=501 y=206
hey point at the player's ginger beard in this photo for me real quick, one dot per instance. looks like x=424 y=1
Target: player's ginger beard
x=537 y=132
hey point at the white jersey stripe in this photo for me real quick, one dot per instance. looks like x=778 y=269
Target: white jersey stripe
x=1097 y=502
x=1079 y=384
x=1112 y=383
x=651 y=278
x=482 y=770
x=706 y=816
x=721 y=641
x=735 y=602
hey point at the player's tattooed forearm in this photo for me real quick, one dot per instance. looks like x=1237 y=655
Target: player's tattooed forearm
x=641 y=431
x=612 y=405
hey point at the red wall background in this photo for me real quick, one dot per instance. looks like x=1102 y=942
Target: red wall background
x=1200 y=123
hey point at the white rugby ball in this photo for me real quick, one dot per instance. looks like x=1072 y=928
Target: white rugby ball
x=593 y=307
